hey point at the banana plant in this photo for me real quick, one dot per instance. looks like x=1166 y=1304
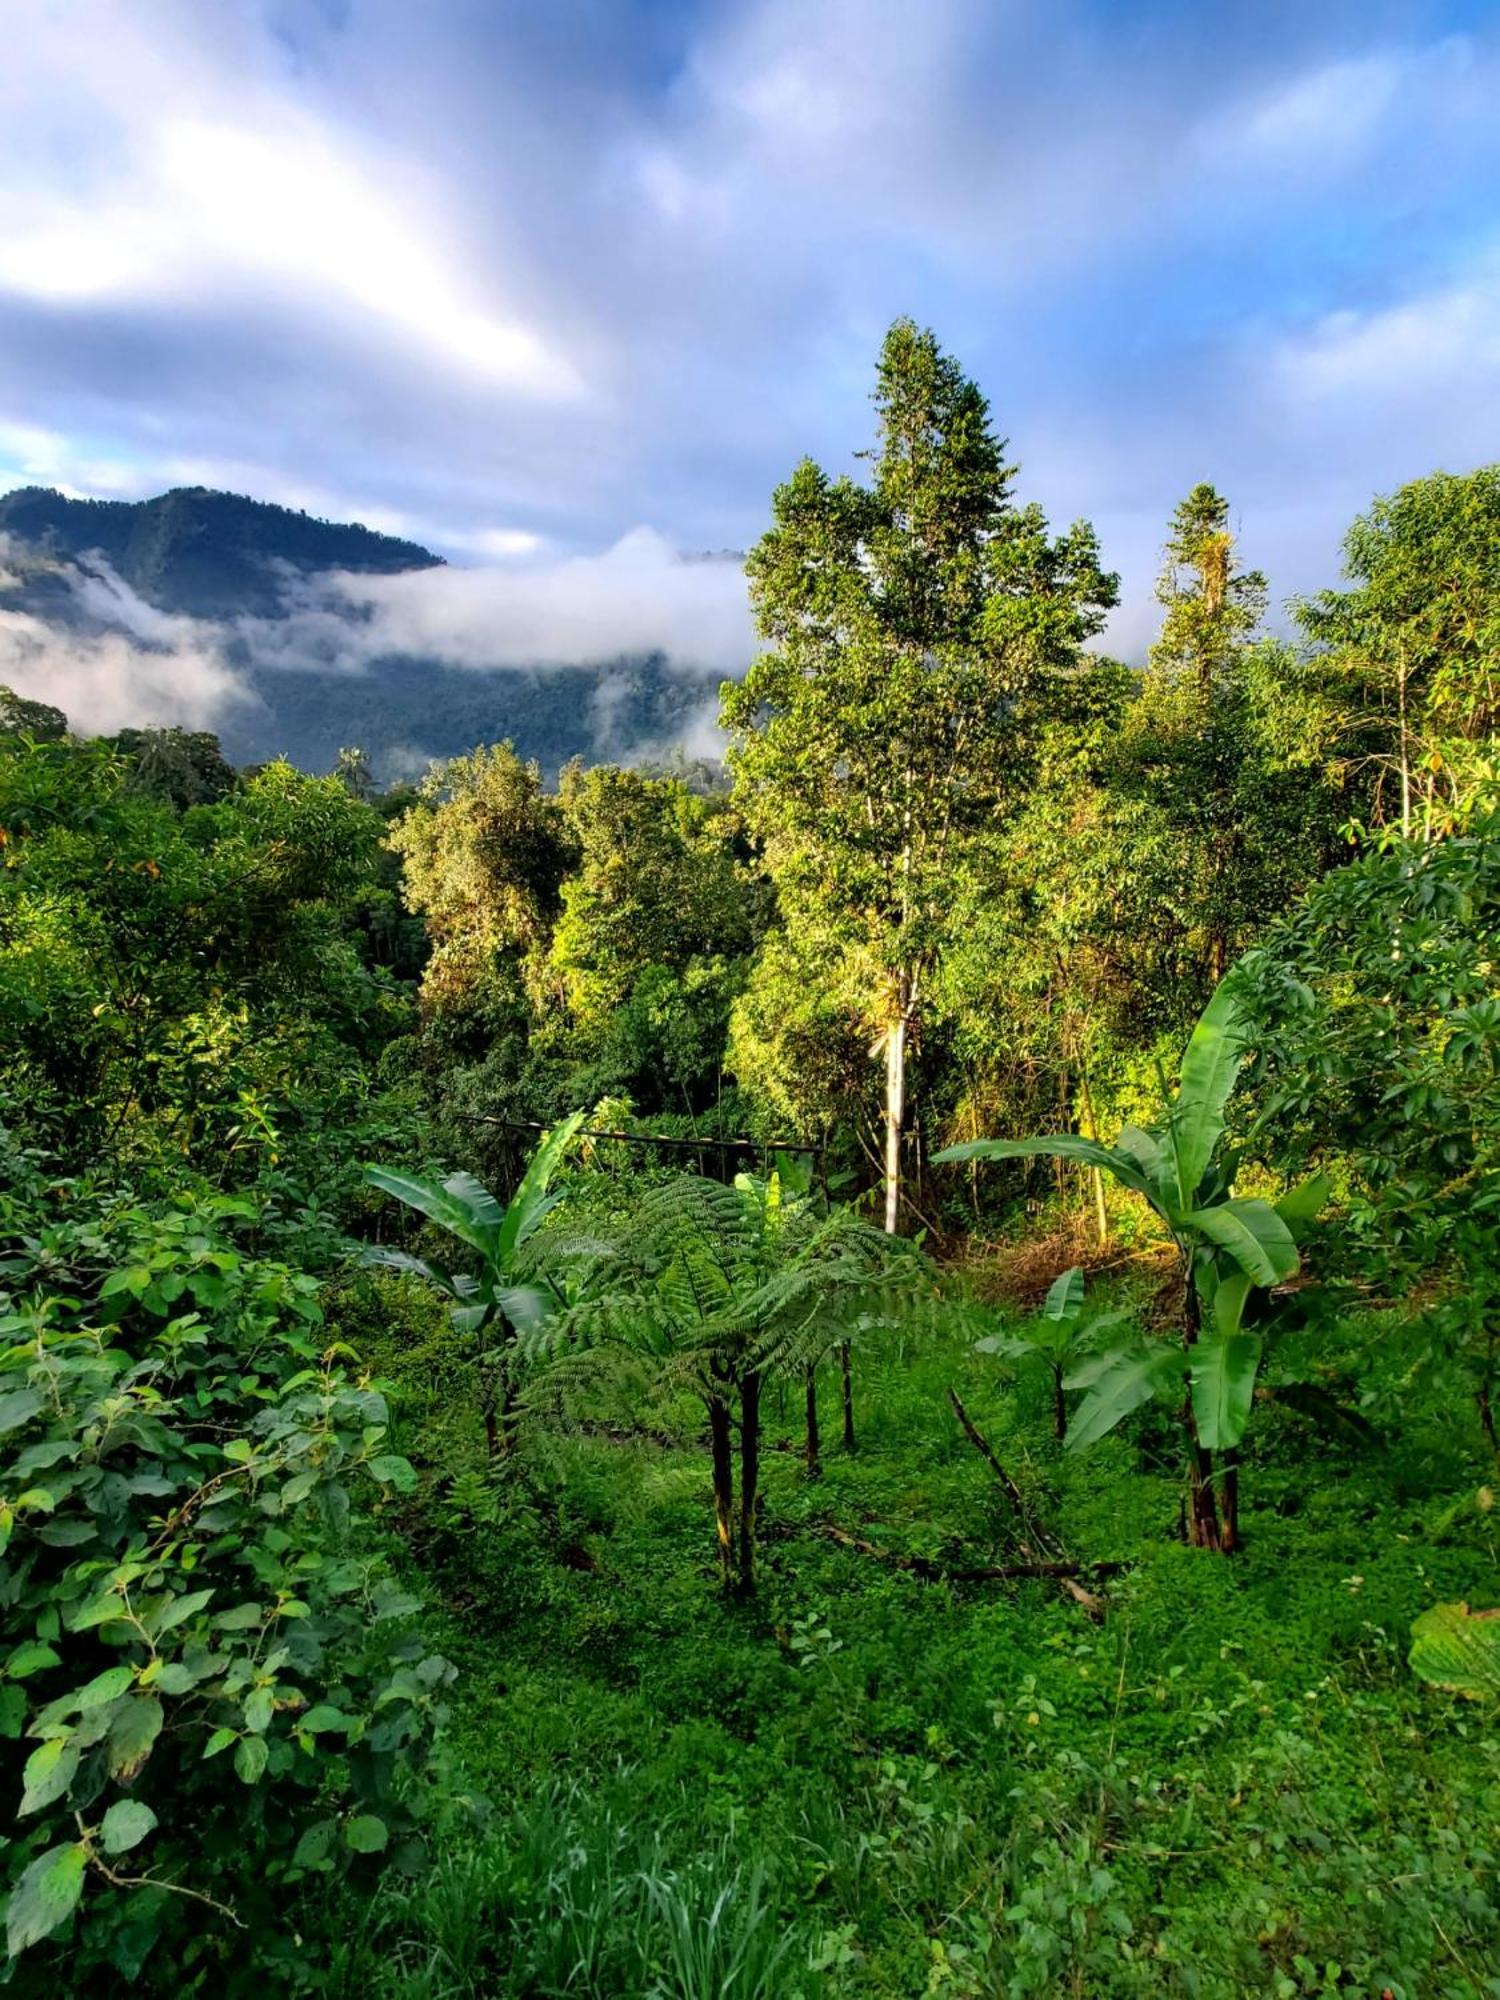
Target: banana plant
x=507 y=1292
x=1228 y=1244
x=1059 y=1335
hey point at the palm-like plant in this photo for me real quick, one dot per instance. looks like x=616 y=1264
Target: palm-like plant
x=724 y=1288
x=510 y=1289
x=1228 y=1244
x=1060 y=1335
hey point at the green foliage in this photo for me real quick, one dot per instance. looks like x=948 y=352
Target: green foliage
x=1378 y=1034
x=1404 y=680
x=206 y=1658
x=1228 y=1244
x=915 y=627
x=502 y=1296
x=1459 y=1649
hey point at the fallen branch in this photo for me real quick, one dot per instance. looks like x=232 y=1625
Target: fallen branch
x=1012 y=1492
x=935 y=1572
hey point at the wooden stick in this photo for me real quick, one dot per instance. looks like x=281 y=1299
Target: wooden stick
x=1008 y=1486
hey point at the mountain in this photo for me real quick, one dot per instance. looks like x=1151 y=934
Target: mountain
x=263 y=591
x=207 y=554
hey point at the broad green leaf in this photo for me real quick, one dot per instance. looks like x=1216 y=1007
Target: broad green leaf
x=529 y=1204
x=260 y=1706
x=417 y=1267
x=1055 y=1145
x=1304 y=1203
x=108 y=1686
x=366 y=1834
x=48 y=1774
x=436 y=1203
x=324 y=1720
x=30 y=1658
x=220 y=1740
x=1231 y=1295
x=250 y=1758
x=1458 y=1649
x=44 y=1896
x=136 y=1726
x=1253 y=1234
x=1222 y=1373
x=484 y=1212
x=18 y=1407
x=126 y=1825
x=1065 y=1296
x=1147 y=1150
x=1210 y=1064
x=1118 y=1383
x=392 y=1470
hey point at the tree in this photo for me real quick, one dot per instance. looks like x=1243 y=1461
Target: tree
x=1377 y=1030
x=484 y=856
x=655 y=884
x=36 y=719
x=1212 y=608
x=913 y=624
x=1226 y=1243
x=1404 y=682
x=724 y=1288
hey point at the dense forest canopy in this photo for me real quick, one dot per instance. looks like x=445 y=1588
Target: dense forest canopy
x=437 y=1219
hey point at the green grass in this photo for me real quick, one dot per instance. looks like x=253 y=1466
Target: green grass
x=867 y=1784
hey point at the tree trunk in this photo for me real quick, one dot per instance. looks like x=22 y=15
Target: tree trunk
x=1059 y=1407
x=895 y=1106
x=749 y=1477
x=489 y=1389
x=846 y=1376
x=723 y=1462
x=812 y=1454
x=1229 y=1501
x=1203 y=1514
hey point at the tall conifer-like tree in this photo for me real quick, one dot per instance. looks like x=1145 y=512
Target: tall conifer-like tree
x=1212 y=608
x=913 y=623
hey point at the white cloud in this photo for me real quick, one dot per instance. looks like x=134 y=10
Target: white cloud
x=637 y=597
x=124 y=664
x=192 y=178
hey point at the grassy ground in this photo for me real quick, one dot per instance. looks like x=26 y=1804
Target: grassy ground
x=869 y=1784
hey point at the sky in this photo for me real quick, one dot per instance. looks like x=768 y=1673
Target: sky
x=537 y=283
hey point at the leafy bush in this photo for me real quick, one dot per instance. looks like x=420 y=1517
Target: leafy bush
x=210 y=1688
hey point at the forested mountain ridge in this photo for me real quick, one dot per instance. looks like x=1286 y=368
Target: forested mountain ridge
x=194 y=550
x=244 y=565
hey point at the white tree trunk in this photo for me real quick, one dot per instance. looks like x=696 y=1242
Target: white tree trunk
x=895 y=1111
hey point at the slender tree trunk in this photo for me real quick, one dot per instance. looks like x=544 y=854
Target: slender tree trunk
x=1405 y=752
x=749 y=1477
x=1203 y=1514
x=723 y=1463
x=489 y=1387
x=1101 y=1212
x=1059 y=1407
x=895 y=1107
x=1229 y=1500
x=846 y=1379
x=812 y=1454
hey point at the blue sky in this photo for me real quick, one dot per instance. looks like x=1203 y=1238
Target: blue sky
x=521 y=279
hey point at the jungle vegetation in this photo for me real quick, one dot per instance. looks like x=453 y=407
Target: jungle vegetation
x=430 y=1218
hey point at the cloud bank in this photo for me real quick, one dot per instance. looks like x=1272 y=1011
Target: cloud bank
x=112 y=661
x=638 y=597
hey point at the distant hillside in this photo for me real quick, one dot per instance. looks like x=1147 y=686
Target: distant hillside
x=233 y=561
x=212 y=555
